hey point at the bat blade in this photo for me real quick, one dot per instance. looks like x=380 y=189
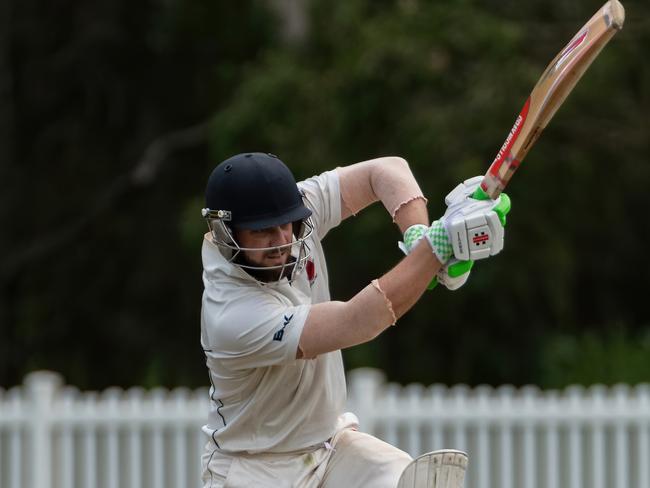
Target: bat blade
x=549 y=93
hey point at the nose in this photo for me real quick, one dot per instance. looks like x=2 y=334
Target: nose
x=281 y=235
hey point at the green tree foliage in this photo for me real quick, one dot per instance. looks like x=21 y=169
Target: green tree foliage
x=94 y=277
x=100 y=274
x=440 y=84
x=616 y=356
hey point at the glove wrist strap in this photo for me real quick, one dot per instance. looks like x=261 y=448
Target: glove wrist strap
x=439 y=241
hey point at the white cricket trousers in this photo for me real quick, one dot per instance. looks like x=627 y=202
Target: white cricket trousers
x=351 y=459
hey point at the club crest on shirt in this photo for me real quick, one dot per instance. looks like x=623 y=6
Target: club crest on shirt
x=310 y=268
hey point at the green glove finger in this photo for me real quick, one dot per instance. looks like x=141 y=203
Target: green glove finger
x=479 y=194
x=454 y=270
x=460 y=268
x=502 y=208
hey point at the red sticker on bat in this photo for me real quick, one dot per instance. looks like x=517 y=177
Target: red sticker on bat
x=504 y=152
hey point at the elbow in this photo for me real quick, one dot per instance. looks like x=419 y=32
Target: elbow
x=386 y=169
x=373 y=331
x=397 y=161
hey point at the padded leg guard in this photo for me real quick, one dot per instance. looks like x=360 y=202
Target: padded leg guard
x=438 y=469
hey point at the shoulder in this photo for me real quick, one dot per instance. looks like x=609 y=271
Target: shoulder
x=251 y=332
x=326 y=182
x=322 y=195
x=242 y=316
x=237 y=303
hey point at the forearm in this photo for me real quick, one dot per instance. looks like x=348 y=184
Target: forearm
x=388 y=180
x=404 y=285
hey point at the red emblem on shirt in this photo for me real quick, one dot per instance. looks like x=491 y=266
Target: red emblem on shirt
x=311 y=271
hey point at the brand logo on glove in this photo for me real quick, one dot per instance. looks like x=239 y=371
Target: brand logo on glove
x=481 y=238
x=459 y=242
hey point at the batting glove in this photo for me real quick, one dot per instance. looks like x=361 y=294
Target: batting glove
x=470 y=229
x=452 y=275
x=486 y=233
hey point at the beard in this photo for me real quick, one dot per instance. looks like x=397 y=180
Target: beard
x=267 y=275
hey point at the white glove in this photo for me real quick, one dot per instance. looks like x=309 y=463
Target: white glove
x=455 y=272
x=463 y=191
x=452 y=275
x=474 y=228
x=470 y=229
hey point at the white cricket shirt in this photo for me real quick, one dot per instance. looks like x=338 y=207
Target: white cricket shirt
x=262 y=399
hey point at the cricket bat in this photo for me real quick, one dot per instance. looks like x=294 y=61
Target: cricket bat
x=549 y=93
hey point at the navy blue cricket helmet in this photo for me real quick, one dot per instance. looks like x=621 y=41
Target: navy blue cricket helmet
x=254 y=191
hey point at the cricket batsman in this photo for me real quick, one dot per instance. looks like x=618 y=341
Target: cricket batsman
x=273 y=337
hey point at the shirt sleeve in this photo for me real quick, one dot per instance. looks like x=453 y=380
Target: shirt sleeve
x=323 y=197
x=253 y=333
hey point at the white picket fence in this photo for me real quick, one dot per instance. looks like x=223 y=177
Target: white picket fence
x=53 y=436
